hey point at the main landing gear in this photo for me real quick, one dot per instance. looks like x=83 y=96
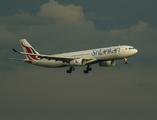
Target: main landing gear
x=125 y=60
x=70 y=70
x=87 y=70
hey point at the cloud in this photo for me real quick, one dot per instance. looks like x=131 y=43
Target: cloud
x=69 y=14
x=94 y=16
x=29 y=81
x=106 y=93
x=142 y=26
x=59 y=25
x=53 y=92
x=141 y=36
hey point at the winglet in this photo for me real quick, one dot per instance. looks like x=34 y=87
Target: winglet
x=15 y=50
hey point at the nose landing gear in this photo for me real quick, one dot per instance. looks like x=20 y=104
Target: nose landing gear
x=125 y=60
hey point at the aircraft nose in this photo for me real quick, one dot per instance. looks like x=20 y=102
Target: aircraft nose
x=135 y=51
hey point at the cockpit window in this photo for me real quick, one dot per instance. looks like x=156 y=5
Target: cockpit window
x=131 y=48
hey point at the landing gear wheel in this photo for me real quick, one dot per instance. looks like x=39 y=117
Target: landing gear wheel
x=69 y=71
x=89 y=69
x=72 y=68
x=125 y=62
x=85 y=71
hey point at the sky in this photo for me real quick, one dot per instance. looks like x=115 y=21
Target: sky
x=56 y=26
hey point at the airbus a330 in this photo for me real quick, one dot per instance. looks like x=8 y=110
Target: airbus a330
x=105 y=57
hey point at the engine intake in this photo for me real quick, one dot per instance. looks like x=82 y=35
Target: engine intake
x=78 y=62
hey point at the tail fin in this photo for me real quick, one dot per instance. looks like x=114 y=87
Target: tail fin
x=28 y=49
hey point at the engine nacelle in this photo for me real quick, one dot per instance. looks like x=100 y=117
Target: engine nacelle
x=107 y=63
x=77 y=62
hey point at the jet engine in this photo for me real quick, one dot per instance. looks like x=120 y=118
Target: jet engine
x=77 y=62
x=107 y=63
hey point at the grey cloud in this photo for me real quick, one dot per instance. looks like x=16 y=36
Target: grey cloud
x=47 y=95
x=57 y=84
x=69 y=14
x=31 y=92
x=21 y=21
x=42 y=30
x=94 y=16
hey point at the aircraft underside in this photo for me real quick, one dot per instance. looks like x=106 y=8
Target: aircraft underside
x=58 y=64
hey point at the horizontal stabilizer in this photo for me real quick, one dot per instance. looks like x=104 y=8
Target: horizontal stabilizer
x=15 y=50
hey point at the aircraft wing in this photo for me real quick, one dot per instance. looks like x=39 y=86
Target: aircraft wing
x=24 y=60
x=50 y=57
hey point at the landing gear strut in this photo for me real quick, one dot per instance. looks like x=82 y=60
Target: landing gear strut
x=125 y=60
x=87 y=70
x=70 y=70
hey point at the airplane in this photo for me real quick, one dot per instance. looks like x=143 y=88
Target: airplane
x=105 y=57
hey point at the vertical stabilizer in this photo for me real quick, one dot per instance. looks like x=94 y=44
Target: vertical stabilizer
x=28 y=49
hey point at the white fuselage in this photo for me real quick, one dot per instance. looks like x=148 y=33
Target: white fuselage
x=98 y=55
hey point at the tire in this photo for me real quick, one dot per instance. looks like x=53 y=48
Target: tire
x=89 y=69
x=69 y=71
x=85 y=71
